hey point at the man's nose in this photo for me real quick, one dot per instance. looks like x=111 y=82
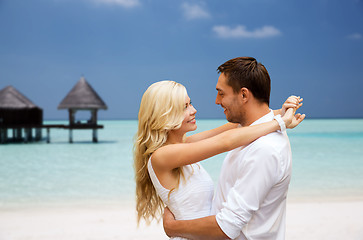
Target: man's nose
x=217 y=100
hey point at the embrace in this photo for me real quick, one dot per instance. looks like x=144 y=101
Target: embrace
x=250 y=199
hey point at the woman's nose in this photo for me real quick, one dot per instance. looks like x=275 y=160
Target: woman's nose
x=194 y=111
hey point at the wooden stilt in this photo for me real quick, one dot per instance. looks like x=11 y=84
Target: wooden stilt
x=38 y=134
x=6 y=135
x=26 y=135
x=14 y=134
x=94 y=135
x=18 y=134
x=3 y=138
x=70 y=136
x=48 y=135
x=31 y=134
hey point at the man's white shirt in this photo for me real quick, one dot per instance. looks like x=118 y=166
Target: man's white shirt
x=250 y=200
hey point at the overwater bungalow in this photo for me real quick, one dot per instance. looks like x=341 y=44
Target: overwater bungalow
x=18 y=113
x=83 y=97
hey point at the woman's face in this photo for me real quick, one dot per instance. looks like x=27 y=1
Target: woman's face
x=189 y=122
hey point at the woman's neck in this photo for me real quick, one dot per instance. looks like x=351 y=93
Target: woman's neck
x=174 y=138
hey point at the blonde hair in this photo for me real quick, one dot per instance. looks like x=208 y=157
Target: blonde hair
x=161 y=110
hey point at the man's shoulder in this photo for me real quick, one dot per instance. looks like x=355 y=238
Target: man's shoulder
x=273 y=142
x=269 y=139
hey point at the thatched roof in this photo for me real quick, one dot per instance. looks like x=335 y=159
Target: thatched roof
x=10 y=98
x=82 y=96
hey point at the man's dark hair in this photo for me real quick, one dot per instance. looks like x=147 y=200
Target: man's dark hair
x=247 y=72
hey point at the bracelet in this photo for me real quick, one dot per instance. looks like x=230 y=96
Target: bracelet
x=280 y=122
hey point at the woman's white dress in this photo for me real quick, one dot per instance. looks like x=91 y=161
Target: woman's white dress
x=193 y=198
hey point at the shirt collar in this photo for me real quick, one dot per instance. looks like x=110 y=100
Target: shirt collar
x=268 y=117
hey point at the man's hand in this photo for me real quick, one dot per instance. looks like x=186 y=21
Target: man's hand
x=197 y=229
x=168 y=220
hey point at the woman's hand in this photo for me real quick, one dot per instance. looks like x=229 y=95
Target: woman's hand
x=291 y=102
x=291 y=119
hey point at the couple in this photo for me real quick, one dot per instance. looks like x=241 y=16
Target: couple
x=250 y=200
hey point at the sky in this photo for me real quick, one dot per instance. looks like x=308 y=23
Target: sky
x=311 y=48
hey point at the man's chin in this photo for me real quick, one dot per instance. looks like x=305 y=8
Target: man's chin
x=229 y=119
x=232 y=120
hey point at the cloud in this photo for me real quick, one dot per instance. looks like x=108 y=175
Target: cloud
x=122 y=3
x=240 y=31
x=355 y=36
x=194 y=11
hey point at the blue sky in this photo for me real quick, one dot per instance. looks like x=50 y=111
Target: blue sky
x=312 y=48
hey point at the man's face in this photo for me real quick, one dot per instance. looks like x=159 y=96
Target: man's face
x=230 y=101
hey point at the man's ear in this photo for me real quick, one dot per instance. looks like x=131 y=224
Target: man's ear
x=245 y=94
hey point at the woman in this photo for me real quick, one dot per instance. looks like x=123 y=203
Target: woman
x=167 y=171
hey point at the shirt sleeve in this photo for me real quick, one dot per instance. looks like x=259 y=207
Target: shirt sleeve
x=256 y=175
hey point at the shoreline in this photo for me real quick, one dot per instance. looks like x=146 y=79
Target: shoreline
x=305 y=220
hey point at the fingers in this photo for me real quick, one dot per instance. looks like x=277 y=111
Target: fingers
x=290 y=112
x=293 y=101
x=298 y=106
x=167 y=219
x=298 y=119
x=301 y=117
x=289 y=116
x=292 y=105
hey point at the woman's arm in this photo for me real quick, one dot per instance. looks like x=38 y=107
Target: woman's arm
x=291 y=102
x=173 y=156
x=210 y=133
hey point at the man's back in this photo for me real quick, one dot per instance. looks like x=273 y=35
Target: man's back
x=251 y=195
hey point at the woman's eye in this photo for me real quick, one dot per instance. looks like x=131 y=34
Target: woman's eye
x=188 y=105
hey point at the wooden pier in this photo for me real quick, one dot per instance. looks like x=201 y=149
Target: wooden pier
x=33 y=132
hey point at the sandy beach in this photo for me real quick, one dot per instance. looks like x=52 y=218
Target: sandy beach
x=305 y=220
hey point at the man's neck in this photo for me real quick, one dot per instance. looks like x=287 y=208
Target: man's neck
x=255 y=112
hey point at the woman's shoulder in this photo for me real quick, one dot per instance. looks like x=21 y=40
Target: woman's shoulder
x=164 y=153
x=160 y=156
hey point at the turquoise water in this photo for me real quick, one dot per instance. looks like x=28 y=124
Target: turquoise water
x=327 y=163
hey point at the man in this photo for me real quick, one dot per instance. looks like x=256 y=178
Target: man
x=250 y=201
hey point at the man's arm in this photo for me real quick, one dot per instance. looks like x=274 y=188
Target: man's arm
x=201 y=228
x=255 y=180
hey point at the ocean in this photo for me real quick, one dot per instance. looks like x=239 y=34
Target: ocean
x=327 y=164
